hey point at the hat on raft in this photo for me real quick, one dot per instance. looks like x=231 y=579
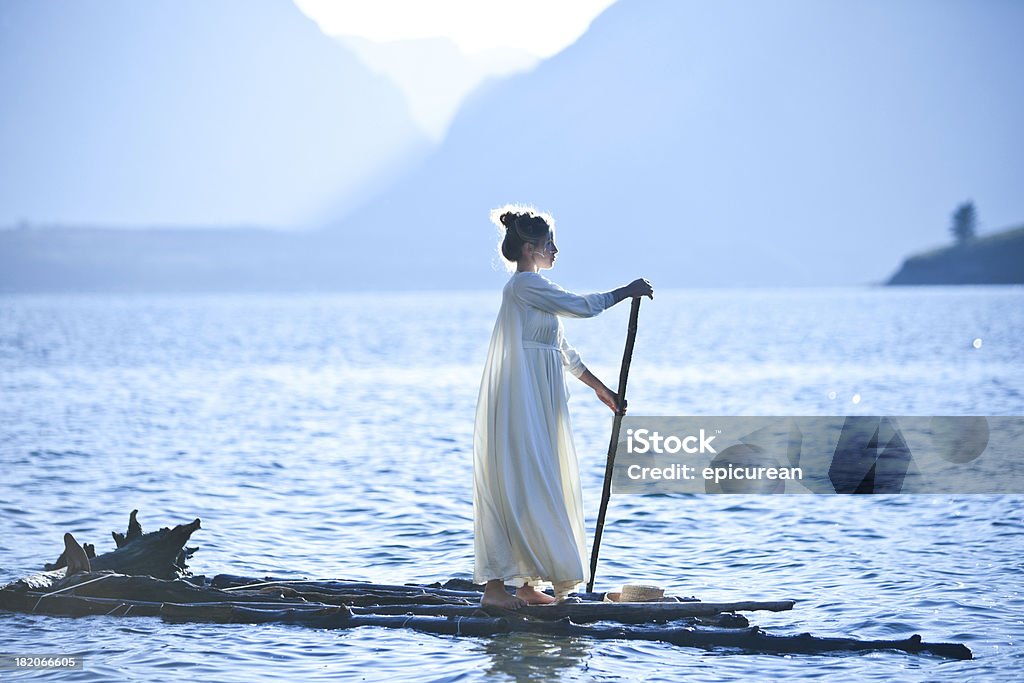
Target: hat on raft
x=635 y=592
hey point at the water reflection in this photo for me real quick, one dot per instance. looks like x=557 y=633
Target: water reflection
x=531 y=657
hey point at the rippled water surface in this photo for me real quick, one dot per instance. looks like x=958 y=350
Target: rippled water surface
x=330 y=436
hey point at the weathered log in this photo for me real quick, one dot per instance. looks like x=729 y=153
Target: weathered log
x=75 y=606
x=366 y=595
x=749 y=639
x=460 y=588
x=611 y=611
x=106 y=584
x=233 y=582
x=583 y=612
x=382 y=599
x=723 y=620
x=161 y=554
x=583 y=616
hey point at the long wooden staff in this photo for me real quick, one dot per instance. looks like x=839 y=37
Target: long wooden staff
x=627 y=356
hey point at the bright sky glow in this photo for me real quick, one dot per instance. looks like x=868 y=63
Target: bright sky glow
x=541 y=27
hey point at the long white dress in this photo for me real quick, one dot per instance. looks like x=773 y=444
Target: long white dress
x=527 y=498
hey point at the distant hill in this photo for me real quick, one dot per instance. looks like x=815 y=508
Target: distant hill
x=194 y=112
x=200 y=259
x=721 y=143
x=995 y=259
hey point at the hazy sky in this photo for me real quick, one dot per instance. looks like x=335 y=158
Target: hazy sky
x=854 y=126
x=541 y=27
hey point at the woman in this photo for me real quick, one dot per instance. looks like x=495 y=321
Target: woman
x=527 y=500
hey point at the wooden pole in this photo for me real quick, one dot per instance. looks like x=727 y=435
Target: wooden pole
x=627 y=356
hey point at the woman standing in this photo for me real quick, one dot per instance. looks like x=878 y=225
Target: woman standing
x=527 y=499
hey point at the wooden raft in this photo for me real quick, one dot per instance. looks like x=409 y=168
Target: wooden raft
x=119 y=589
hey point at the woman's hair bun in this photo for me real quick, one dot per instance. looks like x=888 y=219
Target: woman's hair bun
x=508 y=219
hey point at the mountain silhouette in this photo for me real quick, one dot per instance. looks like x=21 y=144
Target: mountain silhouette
x=194 y=112
x=726 y=143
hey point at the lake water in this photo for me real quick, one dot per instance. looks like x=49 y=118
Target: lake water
x=329 y=436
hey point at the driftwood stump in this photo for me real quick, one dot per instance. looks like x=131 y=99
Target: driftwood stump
x=161 y=554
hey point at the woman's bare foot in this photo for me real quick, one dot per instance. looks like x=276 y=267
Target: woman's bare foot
x=534 y=597
x=495 y=595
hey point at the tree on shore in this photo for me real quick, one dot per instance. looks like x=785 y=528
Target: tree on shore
x=965 y=220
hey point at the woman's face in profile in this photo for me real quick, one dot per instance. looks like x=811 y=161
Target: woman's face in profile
x=544 y=252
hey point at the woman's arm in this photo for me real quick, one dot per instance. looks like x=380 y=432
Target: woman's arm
x=539 y=292
x=638 y=287
x=572 y=361
x=607 y=396
x=536 y=290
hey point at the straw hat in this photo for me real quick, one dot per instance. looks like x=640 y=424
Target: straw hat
x=641 y=593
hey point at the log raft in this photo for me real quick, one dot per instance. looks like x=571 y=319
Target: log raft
x=146 y=576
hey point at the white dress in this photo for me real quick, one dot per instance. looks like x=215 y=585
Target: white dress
x=527 y=498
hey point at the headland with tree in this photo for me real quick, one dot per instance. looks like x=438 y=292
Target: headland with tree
x=996 y=258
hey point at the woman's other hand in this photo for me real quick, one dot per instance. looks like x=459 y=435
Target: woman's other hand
x=636 y=288
x=608 y=397
x=640 y=287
